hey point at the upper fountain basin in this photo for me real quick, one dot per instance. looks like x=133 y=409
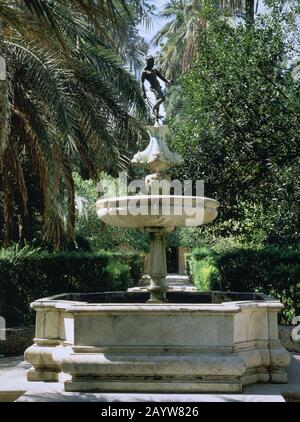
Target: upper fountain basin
x=157 y=156
x=169 y=211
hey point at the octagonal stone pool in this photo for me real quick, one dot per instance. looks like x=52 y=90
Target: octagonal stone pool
x=195 y=342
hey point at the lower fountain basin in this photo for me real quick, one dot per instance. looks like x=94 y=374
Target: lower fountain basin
x=157 y=211
x=198 y=342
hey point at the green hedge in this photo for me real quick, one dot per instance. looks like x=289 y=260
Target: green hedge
x=24 y=278
x=274 y=271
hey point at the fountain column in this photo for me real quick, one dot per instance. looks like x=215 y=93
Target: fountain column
x=158 y=265
x=157 y=158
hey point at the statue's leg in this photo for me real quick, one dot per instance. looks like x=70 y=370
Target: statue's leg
x=160 y=98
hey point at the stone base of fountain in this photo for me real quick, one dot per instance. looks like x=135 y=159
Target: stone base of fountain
x=117 y=342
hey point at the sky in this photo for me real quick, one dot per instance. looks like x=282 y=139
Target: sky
x=156 y=24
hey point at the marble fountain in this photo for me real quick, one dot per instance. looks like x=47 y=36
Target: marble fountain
x=157 y=340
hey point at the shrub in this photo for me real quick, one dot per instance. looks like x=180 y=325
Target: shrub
x=26 y=277
x=274 y=271
x=135 y=264
x=118 y=274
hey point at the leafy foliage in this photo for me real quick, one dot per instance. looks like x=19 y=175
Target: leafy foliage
x=239 y=130
x=274 y=271
x=185 y=20
x=98 y=234
x=30 y=274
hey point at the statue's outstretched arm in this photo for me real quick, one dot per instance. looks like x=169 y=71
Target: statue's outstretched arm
x=162 y=77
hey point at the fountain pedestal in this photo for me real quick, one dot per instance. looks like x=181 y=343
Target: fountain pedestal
x=158 y=265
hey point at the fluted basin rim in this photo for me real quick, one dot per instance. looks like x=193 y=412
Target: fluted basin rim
x=169 y=211
x=103 y=203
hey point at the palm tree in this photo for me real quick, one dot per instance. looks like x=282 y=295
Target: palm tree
x=3 y=114
x=70 y=100
x=178 y=37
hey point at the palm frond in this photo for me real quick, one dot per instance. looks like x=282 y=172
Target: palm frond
x=72 y=100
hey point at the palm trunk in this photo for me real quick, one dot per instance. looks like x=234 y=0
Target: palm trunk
x=8 y=204
x=250 y=12
x=4 y=115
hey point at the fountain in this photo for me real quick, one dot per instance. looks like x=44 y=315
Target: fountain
x=160 y=340
x=157 y=213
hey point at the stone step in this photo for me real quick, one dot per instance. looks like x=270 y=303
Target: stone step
x=61 y=396
x=15 y=387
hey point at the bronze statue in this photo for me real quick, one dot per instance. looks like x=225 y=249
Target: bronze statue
x=151 y=74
